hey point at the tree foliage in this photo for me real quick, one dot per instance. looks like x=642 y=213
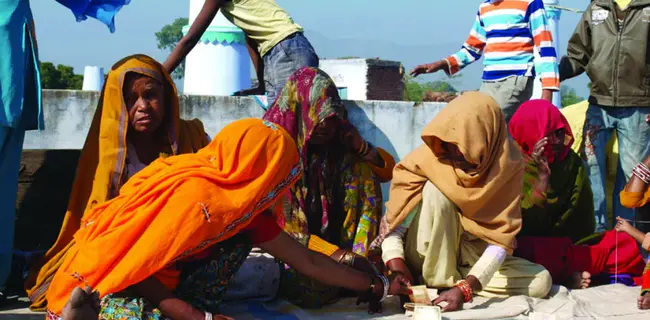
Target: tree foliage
x=569 y=96
x=416 y=90
x=167 y=39
x=60 y=77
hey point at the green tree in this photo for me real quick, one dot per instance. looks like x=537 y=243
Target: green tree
x=416 y=90
x=569 y=96
x=60 y=77
x=168 y=37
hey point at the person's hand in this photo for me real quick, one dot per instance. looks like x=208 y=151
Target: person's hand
x=622 y=225
x=547 y=95
x=539 y=156
x=428 y=68
x=453 y=297
x=351 y=139
x=398 y=285
x=259 y=91
x=220 y=317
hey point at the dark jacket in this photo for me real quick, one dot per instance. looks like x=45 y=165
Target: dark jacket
x=614 y=57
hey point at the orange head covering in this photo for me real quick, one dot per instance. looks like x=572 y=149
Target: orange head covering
x=178 y=206
x=100 y=171
x=488 y=197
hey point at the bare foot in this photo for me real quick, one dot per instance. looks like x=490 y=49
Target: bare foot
x=644 y=302
x=580 y=280
x=82 y=305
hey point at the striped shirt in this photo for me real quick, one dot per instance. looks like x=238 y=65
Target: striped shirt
x=507 y=33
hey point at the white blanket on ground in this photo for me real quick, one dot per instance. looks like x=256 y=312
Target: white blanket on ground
x=605 y=302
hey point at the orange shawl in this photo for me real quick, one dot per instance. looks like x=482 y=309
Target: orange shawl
x=178 y=206
x=101 y=164
x=489 y=198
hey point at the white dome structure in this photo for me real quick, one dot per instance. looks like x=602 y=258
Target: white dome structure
x=220 y=63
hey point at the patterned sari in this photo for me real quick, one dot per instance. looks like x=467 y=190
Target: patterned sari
x=338 y=198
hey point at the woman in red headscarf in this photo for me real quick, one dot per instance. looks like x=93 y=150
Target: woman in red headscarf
x=557 y=206
x=557 y=198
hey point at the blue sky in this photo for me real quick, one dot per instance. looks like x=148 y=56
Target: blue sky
x=411 y=31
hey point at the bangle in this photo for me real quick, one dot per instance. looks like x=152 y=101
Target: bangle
x=208 y=315
x=642 y=172
x=386 y=287
x=466 y=289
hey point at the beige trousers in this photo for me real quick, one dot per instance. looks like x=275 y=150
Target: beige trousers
x=509 y=93
x=440 y=250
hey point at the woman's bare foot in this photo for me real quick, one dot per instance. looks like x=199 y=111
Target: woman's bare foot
x=82 y=305
x=580 y=280
x=644 y=302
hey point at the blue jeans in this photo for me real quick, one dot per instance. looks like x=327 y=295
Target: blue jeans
x=633 y=134
x=289 y=55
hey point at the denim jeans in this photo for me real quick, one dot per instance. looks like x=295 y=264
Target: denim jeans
x=289 y=55
x=633 y=134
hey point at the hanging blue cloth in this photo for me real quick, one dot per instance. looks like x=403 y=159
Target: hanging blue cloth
x=102 y=10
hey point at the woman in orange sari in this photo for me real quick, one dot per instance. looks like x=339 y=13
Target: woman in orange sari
x=137 y=120
x=168 y=245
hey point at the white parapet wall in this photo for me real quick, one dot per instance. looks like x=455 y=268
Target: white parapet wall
x=392 y=125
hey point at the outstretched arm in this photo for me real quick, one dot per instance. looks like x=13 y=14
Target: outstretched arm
x=471 y=51
x=322 y=268
x=187 y=43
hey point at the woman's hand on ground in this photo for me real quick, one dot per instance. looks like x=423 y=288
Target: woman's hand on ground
x=453 y=297
x=399 y=284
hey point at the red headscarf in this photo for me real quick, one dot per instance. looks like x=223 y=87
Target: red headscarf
x=536 y=119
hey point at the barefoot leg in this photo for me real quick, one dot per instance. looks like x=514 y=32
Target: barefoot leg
x=580 y=280
x=82 y=305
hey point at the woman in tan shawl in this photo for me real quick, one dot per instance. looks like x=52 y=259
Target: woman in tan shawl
x=454 y=208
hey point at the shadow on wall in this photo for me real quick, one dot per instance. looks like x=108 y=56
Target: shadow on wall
x=375 y=135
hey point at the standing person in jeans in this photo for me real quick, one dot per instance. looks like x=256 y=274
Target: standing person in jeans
x=610 y=44
x=276 y=43
x=507 y=33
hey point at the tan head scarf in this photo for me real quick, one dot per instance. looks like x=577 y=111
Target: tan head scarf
x=489 y=197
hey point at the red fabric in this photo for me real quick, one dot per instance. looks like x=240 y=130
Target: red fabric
x=629 y=256
x=562 y=258
x=645 y=281
x=263 y=228
x=536 y=119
